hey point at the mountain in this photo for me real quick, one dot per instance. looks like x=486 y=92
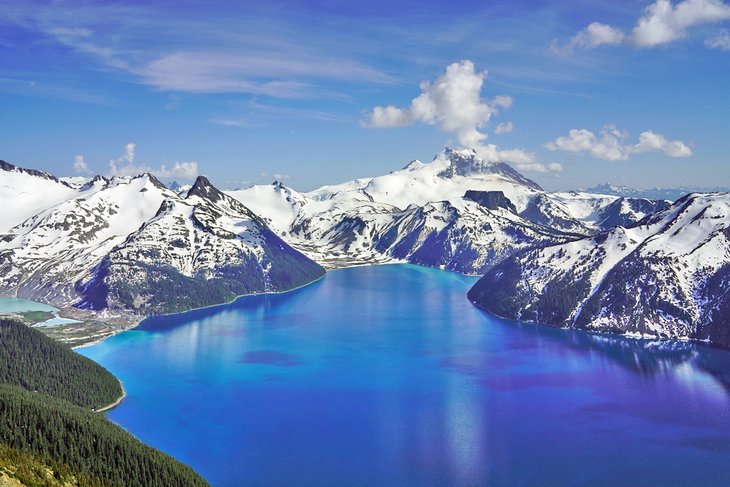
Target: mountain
x=126 y=247
x=667 y=276
x=457 y=212
x=671 y=194
x=206 y=248
x=25 y=192
x=597 y=211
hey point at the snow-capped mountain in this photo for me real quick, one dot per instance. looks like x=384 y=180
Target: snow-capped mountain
x=423 y=214
x=130 y=246
x=202 y=249
x=668 y=276
x=25 y=192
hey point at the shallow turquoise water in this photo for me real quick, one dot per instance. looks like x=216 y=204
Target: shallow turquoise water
x=389 y=376
x=17 y=305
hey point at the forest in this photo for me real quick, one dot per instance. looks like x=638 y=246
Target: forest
x=49 y=432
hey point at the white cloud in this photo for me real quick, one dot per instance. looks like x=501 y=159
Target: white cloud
x=80 y=166
x=653 y=142
x=388 y=117
x=281 y=176
x=597 y=34
x=128 y=169
x=661 y=23
x=504 y=128
x=555 y=167
x=125 y=166
x=452 y=101
x=720 y=41
x=521 y=160
x=185 y=170
x=610 y=144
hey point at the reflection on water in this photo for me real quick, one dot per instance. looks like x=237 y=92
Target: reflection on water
x=388 y=376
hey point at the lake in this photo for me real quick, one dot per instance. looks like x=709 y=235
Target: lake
x=389 y=376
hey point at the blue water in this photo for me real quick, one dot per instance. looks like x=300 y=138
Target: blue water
x=17 y=305
x=388 y=376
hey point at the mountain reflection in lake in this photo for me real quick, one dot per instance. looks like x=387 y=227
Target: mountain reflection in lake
x=388 y=376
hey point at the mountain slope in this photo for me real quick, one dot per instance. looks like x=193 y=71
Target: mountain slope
x=457 y=212
x=25 y=192
x=47 y=394
x=206 y=248
x=668 y=276
x=147 y=249
x=35 y=362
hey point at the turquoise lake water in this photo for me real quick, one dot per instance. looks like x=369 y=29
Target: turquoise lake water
x=17 y=305
x=389 y=376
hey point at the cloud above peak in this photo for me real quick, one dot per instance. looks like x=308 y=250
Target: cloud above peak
x=125 y=165
x=80 y=166
x=662 y=22
x=610 y=144
x=453 y=101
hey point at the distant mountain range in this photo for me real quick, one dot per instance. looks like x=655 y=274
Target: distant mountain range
x=671 y=194
x=128 y=247
x=457 y=212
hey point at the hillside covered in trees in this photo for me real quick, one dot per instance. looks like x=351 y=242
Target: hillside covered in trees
x=35 y=362
x=49 y=433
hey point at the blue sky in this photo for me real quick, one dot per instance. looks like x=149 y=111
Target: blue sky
x=630 y=92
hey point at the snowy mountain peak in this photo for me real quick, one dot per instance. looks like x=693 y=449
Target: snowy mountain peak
x=204 y=189
x=461 y=162
x=6 y=166
x=414 y=165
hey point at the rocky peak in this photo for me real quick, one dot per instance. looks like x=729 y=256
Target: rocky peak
x=204 y=189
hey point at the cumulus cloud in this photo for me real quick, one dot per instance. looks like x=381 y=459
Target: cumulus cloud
x=660 y=23
x=452 y=101
x=720 y=41
x=504 y=128
x=125 y=165
x=610 y=144
x=663 y=22
x=653 y=142
x=80 y=166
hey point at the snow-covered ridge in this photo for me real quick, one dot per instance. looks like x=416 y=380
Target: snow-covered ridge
x=362 y=221
x=128 y=246
x=668 y=276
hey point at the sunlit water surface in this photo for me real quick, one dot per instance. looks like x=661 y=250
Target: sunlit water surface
x=389 y=376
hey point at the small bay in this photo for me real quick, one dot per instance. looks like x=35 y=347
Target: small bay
x=389 y=376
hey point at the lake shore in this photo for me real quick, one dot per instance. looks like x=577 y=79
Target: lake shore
x=115 y=403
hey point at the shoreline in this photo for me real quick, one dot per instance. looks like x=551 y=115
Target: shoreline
x=115 y=403
x=233 y=300
x=135 y=324
x=628 y=335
